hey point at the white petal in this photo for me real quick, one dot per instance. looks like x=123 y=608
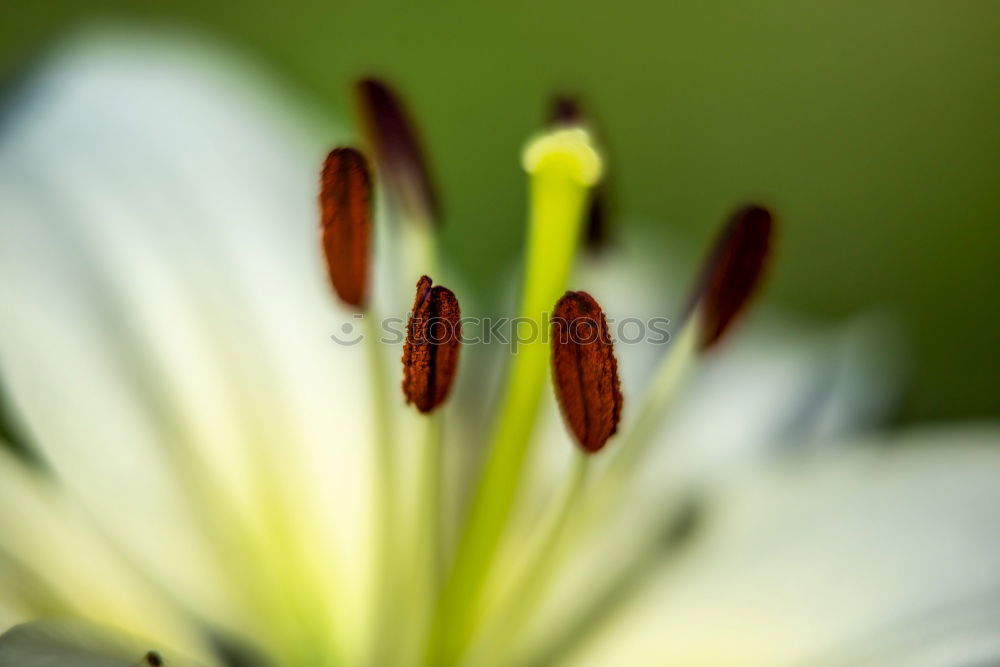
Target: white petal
x=162 y=293
x=54 y=562
x=861 y=555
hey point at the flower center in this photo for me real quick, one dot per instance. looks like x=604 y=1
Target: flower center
x=563 y=167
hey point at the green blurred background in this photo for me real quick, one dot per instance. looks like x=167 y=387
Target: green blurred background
x=873 y=127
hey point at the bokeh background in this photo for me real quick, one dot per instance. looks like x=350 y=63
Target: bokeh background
x=872 y=126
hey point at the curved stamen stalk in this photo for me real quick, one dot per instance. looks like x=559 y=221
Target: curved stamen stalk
x=430 y=360
x=415 y=212
x=386 y=499
x=729 y=277
x=345 y=224
x=659 y=547
x=393 y=140
x=428 y=534
x=403 y=168
x=670 y=376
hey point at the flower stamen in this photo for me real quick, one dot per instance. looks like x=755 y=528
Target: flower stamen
x=430 y=353
x=584 y=370
x=729 y=277
x=732 y=272
x=345 y=223
x=398 y=154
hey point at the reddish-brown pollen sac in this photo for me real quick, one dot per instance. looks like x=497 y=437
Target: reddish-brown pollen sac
x=345 y=224
x=398 y=154
x=584 y=370
x=732 y=271
x=430 y=354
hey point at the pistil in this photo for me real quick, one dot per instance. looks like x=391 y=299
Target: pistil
x=563 y=166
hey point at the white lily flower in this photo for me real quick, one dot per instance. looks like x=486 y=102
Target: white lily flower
x=212 y=480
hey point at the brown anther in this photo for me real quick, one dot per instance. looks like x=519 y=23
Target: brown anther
x=430 y=354
x=732 y=272
x=346 y=209
x=153 y=659
x=398 y=154
x=596 y=231
x=566 y=110
x=584 y=370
